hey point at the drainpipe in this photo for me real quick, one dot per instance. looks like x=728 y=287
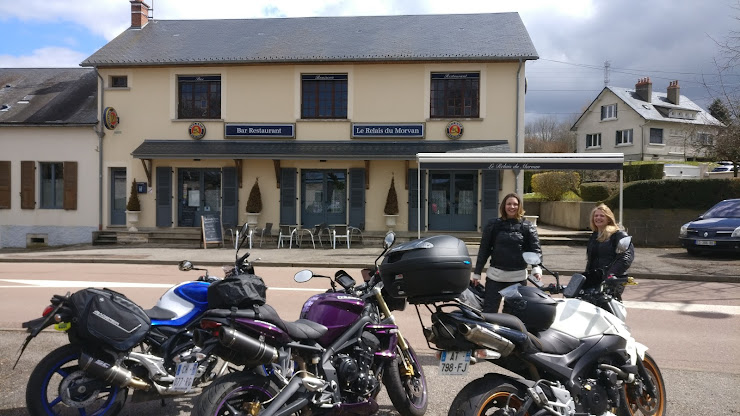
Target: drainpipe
x=100 y=133
x=516 y=135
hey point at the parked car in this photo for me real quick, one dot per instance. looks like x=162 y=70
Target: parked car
x=718 y=229
x=723 y=168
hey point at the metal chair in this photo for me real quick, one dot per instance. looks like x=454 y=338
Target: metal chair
x=264 y=231
x=286 y=232
x=339 y=232
x=235 y=233
x=227 y=229
x=300 y=232
x=357 y=230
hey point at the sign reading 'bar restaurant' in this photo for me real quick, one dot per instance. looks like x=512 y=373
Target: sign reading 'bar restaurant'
x=259 y=130
x=414 y=130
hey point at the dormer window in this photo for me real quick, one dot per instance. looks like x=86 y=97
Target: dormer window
x=609 y=112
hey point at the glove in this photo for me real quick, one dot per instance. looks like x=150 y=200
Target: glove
x=537 y=272
x=475 y=279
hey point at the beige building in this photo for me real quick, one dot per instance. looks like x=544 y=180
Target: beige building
x=322 y=112
x=645 y=125
x=48 y=156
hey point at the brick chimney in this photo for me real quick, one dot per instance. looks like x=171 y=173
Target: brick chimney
x=644 y=89
x=674 y=92
x=139 y=14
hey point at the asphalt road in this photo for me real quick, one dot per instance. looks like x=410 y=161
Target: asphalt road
x=692 y=329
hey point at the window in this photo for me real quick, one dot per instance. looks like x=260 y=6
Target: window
x=455 y=95
x=593 y=140
x=608 y=111
x=705 y=139
x=624 y=137
x=656 y=136
x=324 y=96
x=199 y=96
x=58 y=184
x=119 y=81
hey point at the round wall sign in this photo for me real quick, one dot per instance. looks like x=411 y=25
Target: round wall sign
x=110 y=118
x=454 y=129
x=197 y=130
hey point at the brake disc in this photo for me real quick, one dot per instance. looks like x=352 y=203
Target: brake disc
x=75 y=390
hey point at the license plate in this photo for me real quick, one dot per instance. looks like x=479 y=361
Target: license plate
x=184 y=376
x=706 y=242
x=453 y=363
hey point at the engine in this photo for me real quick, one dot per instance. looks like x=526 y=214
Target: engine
x=597 y=395
x=354 y=369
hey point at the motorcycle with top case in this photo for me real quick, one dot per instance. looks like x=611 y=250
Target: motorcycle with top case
x=115 y=345
x=330 y=361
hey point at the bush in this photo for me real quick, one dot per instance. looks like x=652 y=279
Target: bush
x=643 y=171
x=553 y=185
x=133 y=203
x=594 y=192
x=391 y=202
x=699 y=194
x=254 y=202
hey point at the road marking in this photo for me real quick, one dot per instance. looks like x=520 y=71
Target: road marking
x=683 y=307
x=75 y=284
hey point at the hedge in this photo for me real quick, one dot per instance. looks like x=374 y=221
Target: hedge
x=594 y=192
x=697 y=194
x=643 y=171
x=552 y=185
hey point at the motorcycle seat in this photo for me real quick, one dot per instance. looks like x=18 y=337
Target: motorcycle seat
x=531 y=345
x=160 y=314
x=299 y=330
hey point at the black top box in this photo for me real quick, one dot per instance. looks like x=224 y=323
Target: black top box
x=427 y=270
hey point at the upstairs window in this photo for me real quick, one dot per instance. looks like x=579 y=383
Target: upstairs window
x=455 y=94
x=324 y=96
x=593 y=140
x=624 y=137
x=119 y=81
x=705 y=139
x=656 y=136
x=199 y=97
x=608 y=112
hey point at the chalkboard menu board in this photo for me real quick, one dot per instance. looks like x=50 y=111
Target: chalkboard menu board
x=212 y=229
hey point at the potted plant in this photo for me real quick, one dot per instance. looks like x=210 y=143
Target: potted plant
x=133 y=207
x=391 y=206
x=254 y=203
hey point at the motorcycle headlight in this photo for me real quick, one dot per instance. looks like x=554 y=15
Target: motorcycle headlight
x=736 y=233
x=684 y=230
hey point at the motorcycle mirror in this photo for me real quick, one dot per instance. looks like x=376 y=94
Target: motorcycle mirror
x=390 y=238
x=624 y=244
x=185 y=266
x=367 y=274
x=531 y=257
x=303 y=276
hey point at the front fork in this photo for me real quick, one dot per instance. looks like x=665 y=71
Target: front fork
x=405 y=356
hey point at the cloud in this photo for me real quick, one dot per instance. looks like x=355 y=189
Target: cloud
x=51 y=57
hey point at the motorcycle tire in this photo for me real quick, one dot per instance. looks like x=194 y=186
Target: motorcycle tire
x=487 y=396
x=50 y=389
x=407 y=393
x=235 y=393
x=642 y=404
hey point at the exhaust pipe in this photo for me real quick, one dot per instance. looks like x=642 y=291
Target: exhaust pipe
x=252 y=348
x=111 y=373
x=487 y=338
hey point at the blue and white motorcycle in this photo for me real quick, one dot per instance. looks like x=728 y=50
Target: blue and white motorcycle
x=115 y=345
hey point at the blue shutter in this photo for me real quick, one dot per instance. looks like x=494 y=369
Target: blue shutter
x=357 y=197
x=413 y=199
x=288 y=193
x=164 y=196
x=489 y=191
x=229 y=197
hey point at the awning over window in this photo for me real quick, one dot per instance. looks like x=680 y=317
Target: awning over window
x=312 y=150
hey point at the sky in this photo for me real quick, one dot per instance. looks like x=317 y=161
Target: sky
x=665 y=40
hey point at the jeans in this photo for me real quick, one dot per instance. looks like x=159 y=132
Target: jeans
x=492 y=300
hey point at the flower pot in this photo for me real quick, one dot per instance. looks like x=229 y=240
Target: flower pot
x=132 y=217
x=253 y=218
x=390 y=221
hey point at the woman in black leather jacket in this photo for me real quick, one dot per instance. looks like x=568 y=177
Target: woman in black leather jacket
x=504 y=239
x=602 y=257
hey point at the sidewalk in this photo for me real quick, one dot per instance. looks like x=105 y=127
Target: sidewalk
x=650 y=263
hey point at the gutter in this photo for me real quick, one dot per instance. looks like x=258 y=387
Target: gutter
x=516 y=134
x=101 y=133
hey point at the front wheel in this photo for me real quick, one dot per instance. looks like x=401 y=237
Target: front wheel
x=488 y=396
x=235 y=394
x=57 y=386
x=407 y=392
x=639 y=401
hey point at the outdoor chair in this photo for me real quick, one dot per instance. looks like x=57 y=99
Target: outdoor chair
x=264 y=231
x=286 y=232
x=340 y=232
x=357 y=231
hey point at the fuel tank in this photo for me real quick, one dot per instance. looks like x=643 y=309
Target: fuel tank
x=186 y=300
x=336 y=311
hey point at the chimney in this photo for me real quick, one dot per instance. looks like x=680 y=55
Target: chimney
x=139 y=14
x=674 y=92
x=644 y=89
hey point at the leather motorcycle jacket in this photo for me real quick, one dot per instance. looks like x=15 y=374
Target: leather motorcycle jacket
x=504 y=241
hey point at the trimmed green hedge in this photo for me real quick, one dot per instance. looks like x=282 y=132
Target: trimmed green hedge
x=594 y=192
x=643 y=171
x=676 y=193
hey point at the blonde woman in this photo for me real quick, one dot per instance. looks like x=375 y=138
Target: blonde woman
x=601 y=252
x=504 y=239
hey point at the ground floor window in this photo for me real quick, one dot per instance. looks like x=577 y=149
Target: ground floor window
x=52 y=185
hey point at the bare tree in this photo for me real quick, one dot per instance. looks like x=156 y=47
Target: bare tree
x=549 y=135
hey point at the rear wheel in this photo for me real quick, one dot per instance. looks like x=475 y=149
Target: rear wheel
x=407 y=392
x=490 y=396
x=235 y=394
x=57 y=386
x=639 y=401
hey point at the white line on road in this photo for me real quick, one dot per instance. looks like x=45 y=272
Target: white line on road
x=683 y=307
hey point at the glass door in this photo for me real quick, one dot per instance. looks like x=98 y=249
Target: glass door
x=452 y=201
x=324 y=197
x=118 y=195
x=199 y=194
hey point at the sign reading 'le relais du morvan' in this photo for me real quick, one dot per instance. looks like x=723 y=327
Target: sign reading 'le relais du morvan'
x=241 y=130
x=408 y=130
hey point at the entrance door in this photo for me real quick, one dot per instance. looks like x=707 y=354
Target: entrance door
x=118 y=192
x=199 y=193
x=453 y=201
x=324 y=197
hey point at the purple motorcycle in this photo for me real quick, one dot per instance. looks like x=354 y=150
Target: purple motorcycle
x=330 y=361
